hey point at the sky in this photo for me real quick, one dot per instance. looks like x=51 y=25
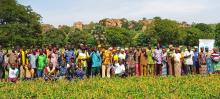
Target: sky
x=66 y=12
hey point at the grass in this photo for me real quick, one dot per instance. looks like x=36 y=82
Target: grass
x=132 y=87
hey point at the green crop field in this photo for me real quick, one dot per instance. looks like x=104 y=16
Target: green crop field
x=196 y=87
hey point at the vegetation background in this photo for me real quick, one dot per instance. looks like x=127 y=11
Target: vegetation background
x=20 y=25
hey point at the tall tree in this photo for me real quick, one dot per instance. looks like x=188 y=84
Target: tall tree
x=217 y=34
x=19 y=25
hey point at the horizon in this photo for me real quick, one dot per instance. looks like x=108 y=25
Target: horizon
x=70 y=11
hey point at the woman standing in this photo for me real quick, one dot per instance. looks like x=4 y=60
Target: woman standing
x=177 y=62
x=215 y=60
x=164 y=62
x=210 y=67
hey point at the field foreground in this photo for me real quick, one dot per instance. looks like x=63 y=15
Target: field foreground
x=132 y=87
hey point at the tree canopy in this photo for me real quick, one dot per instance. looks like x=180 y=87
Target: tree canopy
x=20 y=25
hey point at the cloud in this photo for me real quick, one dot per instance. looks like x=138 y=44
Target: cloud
x=161 y=7
x=58 y=12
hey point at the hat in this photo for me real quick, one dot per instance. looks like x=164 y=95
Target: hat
x=99 y=45
x=110 y=48
x=118 y=48
x=122 y=49
x=195 y=46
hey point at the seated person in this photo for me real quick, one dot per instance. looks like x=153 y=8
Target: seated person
x=50 y=72
x=13 y=73
x=29 y=72
x=70 y=69
x=79 y=73
x=62 y=69
x=119 y=69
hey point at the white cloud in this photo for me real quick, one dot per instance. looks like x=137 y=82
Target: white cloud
x=166 y=7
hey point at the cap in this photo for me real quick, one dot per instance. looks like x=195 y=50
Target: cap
x=195 y=46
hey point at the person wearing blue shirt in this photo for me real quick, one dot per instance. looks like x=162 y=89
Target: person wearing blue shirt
x=195 y=60
x=69 y=54
x=95 y=61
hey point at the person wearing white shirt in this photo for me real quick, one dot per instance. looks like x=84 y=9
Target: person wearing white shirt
x=119 y=68
x=188 y=57
x=13 y=73
x=122 y=55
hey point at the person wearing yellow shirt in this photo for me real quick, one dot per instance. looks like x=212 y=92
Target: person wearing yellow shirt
x=29 y=72
x=82 y=60
x=107 y=61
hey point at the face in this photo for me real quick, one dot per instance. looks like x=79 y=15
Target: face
x=149 y=47
x=176 y=50
x=164 y=50
x=206 y=49
x=202 y=49
x=158 y=45
x=83 y=50
x=41 y=52
x=196 y=49
x=54 y=50
x=143 y=50
x=51 y=65
x=189 y=48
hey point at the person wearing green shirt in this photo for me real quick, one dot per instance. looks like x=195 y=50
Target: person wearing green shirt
x=41 y=63
x=150 y=61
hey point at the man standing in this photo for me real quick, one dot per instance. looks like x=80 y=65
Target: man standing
x=107 y=61
x=68 y=54
x=2 y=67
x=170 y=62
x=158 y=58
x=41 y=63
x=96 y=62
x=13 y=58
x=188 y=57
x=195 y=60
x=143 y=62
x=33 y=59
x=137 y=61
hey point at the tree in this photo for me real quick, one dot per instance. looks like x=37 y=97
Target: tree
x=55 y=37
x=19 y=25
x=118 y=36
x=166 y=30
x=217 y=34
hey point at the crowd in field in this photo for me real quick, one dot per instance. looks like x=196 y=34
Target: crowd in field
x=53 y=62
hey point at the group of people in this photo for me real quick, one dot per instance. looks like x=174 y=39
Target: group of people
x=53 y=62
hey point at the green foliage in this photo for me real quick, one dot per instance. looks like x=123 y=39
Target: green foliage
x=119 y=36
x=55 y=36
x=217 y=34
x=185 y=87
x=19 y=25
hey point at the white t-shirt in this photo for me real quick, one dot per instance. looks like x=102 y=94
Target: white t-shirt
x=13 y=73
x=122 y=56
x=119 y=69
x=177 y=57
x=188 y=60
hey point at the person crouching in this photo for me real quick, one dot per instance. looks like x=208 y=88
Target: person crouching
x=49 y=73
x=13 y=73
